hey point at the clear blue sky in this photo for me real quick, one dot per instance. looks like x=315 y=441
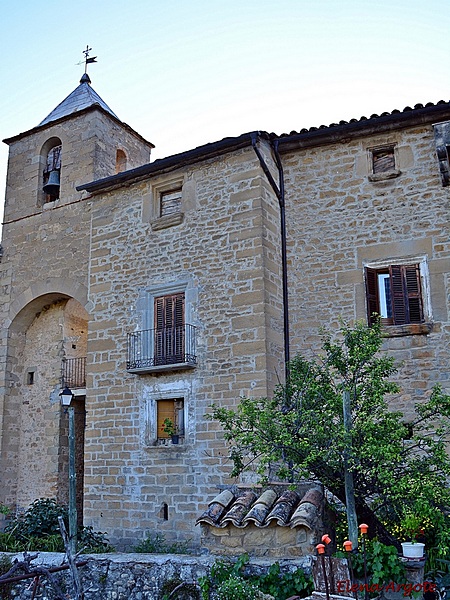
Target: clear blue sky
x=186 y=72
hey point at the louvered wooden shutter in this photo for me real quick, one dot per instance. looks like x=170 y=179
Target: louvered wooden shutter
x=169 y=326
x=373 y=304
x=406 y=294
x=413 y=289
x=398 y=295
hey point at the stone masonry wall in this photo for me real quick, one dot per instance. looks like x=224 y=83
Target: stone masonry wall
x=225 y=250
x=140 y=576
x=273 y=541
x=338 y=219
x=46 y=260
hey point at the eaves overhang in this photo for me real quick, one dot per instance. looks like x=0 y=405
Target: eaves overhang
x=171 y=163
x=345 y=131
x=50 y=124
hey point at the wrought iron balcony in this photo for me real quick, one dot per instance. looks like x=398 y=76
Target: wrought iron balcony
x=161 y=349
x=73 y=372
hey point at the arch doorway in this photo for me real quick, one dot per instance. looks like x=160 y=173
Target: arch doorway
x=47 y=347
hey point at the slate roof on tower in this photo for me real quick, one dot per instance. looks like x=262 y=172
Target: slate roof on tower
x=82 y=97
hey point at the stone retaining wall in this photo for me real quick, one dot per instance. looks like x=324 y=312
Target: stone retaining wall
x=134 y=576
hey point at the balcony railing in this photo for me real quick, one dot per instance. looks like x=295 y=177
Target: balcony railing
x=74 y=372
x=161 y=349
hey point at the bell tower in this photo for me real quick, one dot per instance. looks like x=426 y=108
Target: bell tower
x=44 y=271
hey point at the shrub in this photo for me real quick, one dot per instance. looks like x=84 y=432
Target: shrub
x=156 y=544
x=237 y=588
x=228 y=578
x=93 y=542
x=38 y=529
x=6 y=588
x=39 y=520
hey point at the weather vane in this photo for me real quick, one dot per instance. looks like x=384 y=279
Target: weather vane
x=88 y=60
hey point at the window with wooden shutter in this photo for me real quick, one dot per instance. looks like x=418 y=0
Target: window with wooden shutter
x=172 y=409
x=170 y=202
x=394 y=293
x=169 y=329
x=383 y=160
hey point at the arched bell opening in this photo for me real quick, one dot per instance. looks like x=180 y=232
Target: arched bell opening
x=50 y=160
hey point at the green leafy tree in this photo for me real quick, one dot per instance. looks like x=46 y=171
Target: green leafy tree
x=299 y=433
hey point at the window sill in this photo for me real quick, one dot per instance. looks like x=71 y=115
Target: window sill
x=169 y=447
x=411 y=329
x=167 y=221
x=384 y=176
x=50 y=204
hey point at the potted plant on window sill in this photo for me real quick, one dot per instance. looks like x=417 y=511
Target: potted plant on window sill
x=171 y=430
x=411 y=524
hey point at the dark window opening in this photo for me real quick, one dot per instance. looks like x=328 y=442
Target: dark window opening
x=394 y=294
x=52 y=174
x=30 y=378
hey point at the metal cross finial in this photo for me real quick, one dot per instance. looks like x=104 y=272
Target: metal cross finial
x=88 y=60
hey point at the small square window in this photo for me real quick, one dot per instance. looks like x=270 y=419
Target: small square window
x=383 y=160
x=167 y=199
x=382 y=163
x=170 y=412
x=170 y=202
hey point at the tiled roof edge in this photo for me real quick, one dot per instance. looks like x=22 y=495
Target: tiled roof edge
x=344 y=130
x=173 y=162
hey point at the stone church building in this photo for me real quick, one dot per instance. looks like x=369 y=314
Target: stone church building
x=154 y=289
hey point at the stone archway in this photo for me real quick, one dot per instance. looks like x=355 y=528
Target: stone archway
x=45 y=331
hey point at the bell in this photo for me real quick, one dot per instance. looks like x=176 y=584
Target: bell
x=52 y=185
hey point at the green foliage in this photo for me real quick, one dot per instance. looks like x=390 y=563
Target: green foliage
x=299 y=433
x=382 y=562
x=39 y=520
x=156 y=544
x=5 y=588
x=169 y=427
x=9 y=544
x=229 y=580
x=283 y=585
x=38 y=529
x=440 y=575
x=93 y=542
x=4 y=510
x=237 y=588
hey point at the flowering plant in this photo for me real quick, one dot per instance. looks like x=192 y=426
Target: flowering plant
x=411 y=525
x=169 y=427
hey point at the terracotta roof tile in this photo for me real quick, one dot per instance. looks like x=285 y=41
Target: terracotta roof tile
x=287 y=508
x=363 y=118
x=239 y=509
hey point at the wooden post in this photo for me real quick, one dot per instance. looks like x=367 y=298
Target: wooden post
x=71 y=560
x=348 y=475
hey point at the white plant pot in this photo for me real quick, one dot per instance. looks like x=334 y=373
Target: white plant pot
x=413 y=549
